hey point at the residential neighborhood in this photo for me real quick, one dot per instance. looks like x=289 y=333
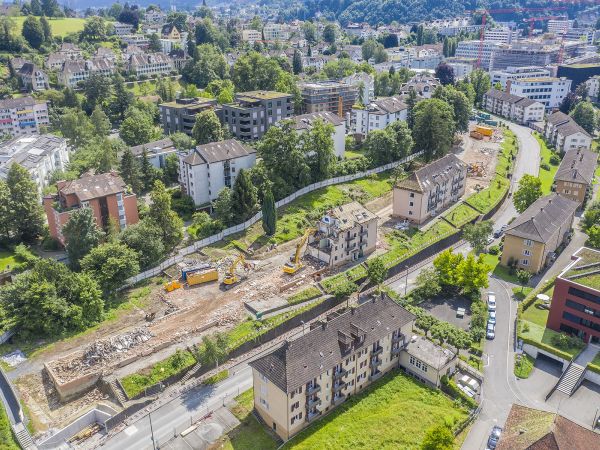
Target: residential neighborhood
x=264 y=225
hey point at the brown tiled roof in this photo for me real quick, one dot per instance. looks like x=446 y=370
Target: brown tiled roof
x=218 y=151
x=578 y=165
x=533 y=429
x=543 y=217
x=20 y=102
x=93 y=186
x=296 y=362
x=434 y=173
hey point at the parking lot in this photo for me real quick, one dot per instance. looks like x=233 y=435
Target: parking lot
x=446 y=308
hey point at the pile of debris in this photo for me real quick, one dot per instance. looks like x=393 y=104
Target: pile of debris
x=106 y=349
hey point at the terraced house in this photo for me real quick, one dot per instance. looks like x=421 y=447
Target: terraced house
x=303 y=379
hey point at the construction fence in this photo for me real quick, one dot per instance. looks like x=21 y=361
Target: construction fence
x=182 y=253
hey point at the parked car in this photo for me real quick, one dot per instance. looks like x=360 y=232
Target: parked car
x=490 y=240
x=494 y=438
x=492 y=317
x=491 y=301
x=491 y=331
x=497 y=233
x=504 y=227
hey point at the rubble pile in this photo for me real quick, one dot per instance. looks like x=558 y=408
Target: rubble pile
x=106 y=349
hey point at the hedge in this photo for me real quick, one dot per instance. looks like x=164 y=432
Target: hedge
x=593 y=368
x=531 y=298
x=223 y=374
x=546 y=348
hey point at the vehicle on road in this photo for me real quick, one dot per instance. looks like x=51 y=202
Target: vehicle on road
x=490 y=240
x=491 y=331
x=491 y=301
x=492 y=317
x=497 y=233
x=494 y=438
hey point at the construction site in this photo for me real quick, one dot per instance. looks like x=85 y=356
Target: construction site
x=479 y=150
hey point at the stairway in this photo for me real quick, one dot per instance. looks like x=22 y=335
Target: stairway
x=119 y=394
x=191 y=372
x=23 y=436
x=570 y=380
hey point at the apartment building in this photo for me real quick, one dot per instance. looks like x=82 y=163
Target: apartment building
x=575 y=175
x=452 y=27
x=533 y=53
x=531 y=240
x=364 y=84
x=462 y=66
x=565 y=134
x=517 y=73
x=305 y=122
x=344 y=234
x=423 y=84
x=275 y=32
x=252 y=113
x=429 y=190
x=575 y=307
x=332 y=96
x=504 y=35
x=149 y=64
x=377 y=115
x=251 y=36
x=180 y=115
x=140 y=40
x=593 y=87
x=156 y=151
x=305 y=378
x=105 y=53
x=33 y=78
x=74 y=72
x=207 y=169
x=559 y=26
x=550 y=91
x=472 y=49
x=123 y=29
x=513 y=107
x=39 y=154
x=20 y=116
x=106 y=194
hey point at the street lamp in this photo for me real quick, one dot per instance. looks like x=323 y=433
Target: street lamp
x=302 y=322
x=406 y=280
x=152 y=431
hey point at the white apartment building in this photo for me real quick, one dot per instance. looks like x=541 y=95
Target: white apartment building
x=136 y=39
x=123 y=29
x=462 y=66
x=559 y=26
x=520 y=109
x=207 y=169
x=422 y=83
x=504 y=35
x=304 y=122
x=377 y=115
x=471 y=49
x=32 y=77
x=517 y=73
x=150 y=64
x=40 y=155
x=275 y=32
x=452 y=27
x=344 y=234
x=251 y=36
x=21 y=116
x=565 y=134
x=593 y=87
x=549 y=90
x=364 y=83
x=73 y=72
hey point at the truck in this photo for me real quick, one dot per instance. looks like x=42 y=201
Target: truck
x=485 y=131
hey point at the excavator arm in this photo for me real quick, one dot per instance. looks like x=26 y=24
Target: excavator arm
x=295 y=264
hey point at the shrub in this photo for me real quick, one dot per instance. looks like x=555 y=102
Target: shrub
x=455 y=392
x=564 y=341
x=494 y=250
x=222 y=375
x=545 y=166
x=554 y=160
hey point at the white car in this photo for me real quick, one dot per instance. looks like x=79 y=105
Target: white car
x=491 y=301
x=491 y=331
x=492 y=317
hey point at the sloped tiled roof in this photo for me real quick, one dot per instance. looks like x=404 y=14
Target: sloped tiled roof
x=387 y=105
x=93 y=186
x=543 y=217
x=298 y=361
x=152 y=147
x=432 y=174
x=578 y=165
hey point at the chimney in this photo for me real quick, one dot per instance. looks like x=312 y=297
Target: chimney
x=323 y=325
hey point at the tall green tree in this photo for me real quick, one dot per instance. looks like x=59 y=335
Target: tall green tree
x=529 y=190
x=154 y=43
x=148 y=172
x=317 y=144
x=481 y=84
x=100 y=121
x=28 y=215
x=94 y=29
x=111 y=264
x=585 y=116
x=130 y=171
x=122 y=98
x=33 y=32
x=244 y=199
x=269 y=213
x=439 y=437
x=446 y=265
x=477 y=234
x=411 y=102
x=297 y=62
x=50 y=8
x=162 y=216
x=254 y=71
x=329 y=33
x=434 y=128
x=223 y=207
x=97 y=90
x=209 y=65
x=473 y=274
x=6 y=216
x=47 y=29
x=82 y=235
x=36 y=7
x=461 y=106
x=76 y=127
x=137 y=128
x=376 y=271
x=146 y=239
x=207 y=128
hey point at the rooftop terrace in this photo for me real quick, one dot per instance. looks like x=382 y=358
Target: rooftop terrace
x=585 y=270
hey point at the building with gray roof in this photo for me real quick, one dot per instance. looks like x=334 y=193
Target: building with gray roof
x=561 y=131
x=575 y=175
x=377 y=115
x=513 y=107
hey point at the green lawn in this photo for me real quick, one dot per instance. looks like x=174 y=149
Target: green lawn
x=60 y=27
x=523 y=365
x=148 y=87
x=535 y=314
x=521 y=292
x=394 y=412
x=489 y=197
x=500 y=271
x=546 y=176
x=7 y=439
x=543 y=335
x=352 y=154
x=7 y=260
x=460 y=215
x=304 y=295
x=508 y=147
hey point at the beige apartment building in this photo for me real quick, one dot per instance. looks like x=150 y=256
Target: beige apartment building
x=344 y=234
x=303 y=379
x=430 y=189
x=532 y=239
x=575 y=174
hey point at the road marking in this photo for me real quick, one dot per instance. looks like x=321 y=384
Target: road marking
x=130 y=430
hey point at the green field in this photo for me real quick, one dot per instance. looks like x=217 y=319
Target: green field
x=535 y=314
x=504 y=164
x=7 y=438
x=394 y=412
x=460 y=215
x=546 y=176
x=7 y=260
x=60 y=27
x=304 y=295
x=499 y=271
x=541 y=334
x=489 y=197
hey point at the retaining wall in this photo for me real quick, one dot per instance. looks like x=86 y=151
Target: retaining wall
x=533 y=351
x=74 y=387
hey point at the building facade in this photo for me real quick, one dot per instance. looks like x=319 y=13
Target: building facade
x=531 y=240
x=74 y=72
x=105 y=194
x=575 y=176
x=207 y=169
x=305 y=122
x=344 y=234
x=504 y=35
x=21 y=116
x=156 y=151
x=472 y=49
x=565 y=134
x=364 y=83
x=305 y=378
x=332 y=96
x=150 y=64
x=513 y=107
x=180 y=115
x=33 y=78
x=377 y=115
x=550 y=91
x=252 y=113
x=516 y=73
x=429 y=190
x=423 y=84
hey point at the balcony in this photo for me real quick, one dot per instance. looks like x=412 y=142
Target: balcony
x=338 y=386
x=349 y=238
x=313 y=402
x=377 y=351
x=396 y=351
x=375 y=376
x=397 y=338
x=363 y=233
x=338 y=399
x=312 y=415
x=375 y=362
x=313 y=389
x=339 y=374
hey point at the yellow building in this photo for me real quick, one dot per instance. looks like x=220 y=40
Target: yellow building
x=575 y=174
x=305 y=378
x=532 y=239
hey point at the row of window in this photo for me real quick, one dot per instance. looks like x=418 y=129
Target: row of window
x=579 y=321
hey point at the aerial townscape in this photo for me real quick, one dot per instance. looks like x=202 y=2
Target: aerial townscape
x=300 y=224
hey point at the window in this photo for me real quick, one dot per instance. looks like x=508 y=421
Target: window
x=526 y=253
x=525 y=262
x=528 y=242
x=411 y=195
x=410 y=203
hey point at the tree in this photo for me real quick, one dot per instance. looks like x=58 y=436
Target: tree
x=310 y=32
x=368 y=49
x=477 y=234
x=297 y=62
x=27 y=213
x=445 y=73
x=377 y=146
x=154 y=44
x=130 y=171
x=390 y=40
x=329 y=33
x=111 y=264
x=254 y=71
x=94 y=29
x=47 y=29
x=428 y=283
x=209 y=65
x=82 y=235
x=100 y=121
x=426 y=322
x=439 y=437
x=317 y=145
x=182 y=141
x=33 y=32
x=162 y=216
x=585 y=116
x=523 y=277
x=593 y=233
x=207 y=128
x=461 y=106
x=269 y=213
x=530 y=189
x=376 y=271
x=36 y=8
x=6 y=217
x=97 y=90
x=222 y=206
x=434 y=128
x=50 y=8
x=243 y=197
x=472 y=274
x=481 y=84
x=213 y=349
x=76 y=127
x=403 y=141
x=137 y=128
x=122 y=98
x=568 y=103
x=411 y=102
x=446 y=265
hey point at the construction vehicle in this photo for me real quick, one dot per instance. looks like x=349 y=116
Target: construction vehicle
x=294 y=264
x=485 y=131
x=172 y=285
x=231 y=277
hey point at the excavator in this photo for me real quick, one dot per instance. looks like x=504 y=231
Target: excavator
x=230 y=277
x=294 y=264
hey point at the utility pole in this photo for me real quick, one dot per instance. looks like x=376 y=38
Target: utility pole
x=406 y=281
x=152 y=432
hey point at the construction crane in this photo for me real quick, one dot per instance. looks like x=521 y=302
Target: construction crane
x=231 y=277
x=294 y=264
x=533 y=20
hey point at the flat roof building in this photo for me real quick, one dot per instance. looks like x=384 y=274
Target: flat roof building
x=332 y=96
x=180 y=115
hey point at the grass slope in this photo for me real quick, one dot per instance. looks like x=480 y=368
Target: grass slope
x=546 y=176
x=60 y=27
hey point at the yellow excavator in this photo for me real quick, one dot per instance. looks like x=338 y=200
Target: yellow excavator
x=294 y=264
x=230 y=277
